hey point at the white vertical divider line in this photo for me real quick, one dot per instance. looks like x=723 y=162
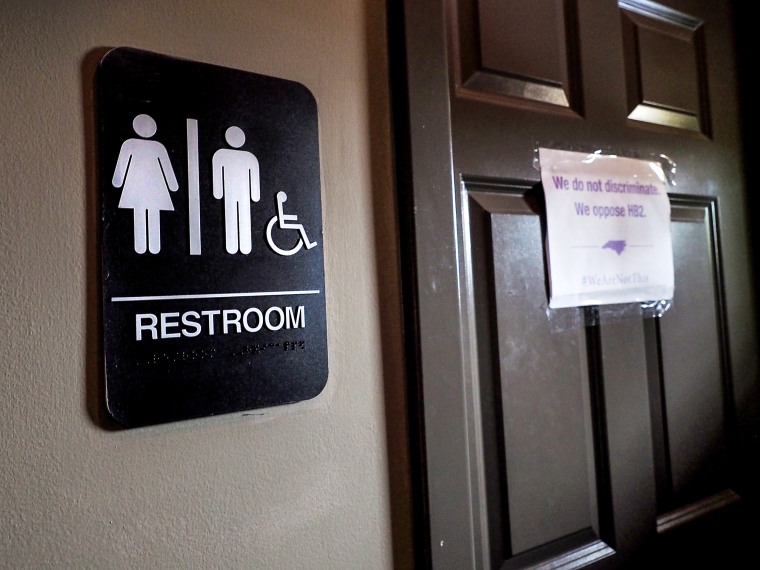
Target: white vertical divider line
x=193 y=187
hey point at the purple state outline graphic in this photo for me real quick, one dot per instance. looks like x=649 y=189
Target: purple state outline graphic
x=616 y=245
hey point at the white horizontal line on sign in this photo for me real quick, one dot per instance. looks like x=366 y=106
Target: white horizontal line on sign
x=211 y=296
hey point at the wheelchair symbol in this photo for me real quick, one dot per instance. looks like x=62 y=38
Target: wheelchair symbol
x=286 y=222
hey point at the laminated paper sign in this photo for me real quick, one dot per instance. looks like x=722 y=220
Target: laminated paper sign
x=608 y=229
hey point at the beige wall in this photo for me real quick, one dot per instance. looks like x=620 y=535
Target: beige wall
x=322 y=484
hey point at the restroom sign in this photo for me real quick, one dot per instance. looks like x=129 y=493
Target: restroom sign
x=211 y=234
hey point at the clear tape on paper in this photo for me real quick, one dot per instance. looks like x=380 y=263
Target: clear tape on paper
x=668 y=165
x=575 y=318
x=608 y=242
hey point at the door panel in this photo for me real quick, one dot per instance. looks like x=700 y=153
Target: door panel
x=575 y=437
x=504 y=50
x=544 y=406
x=665 y=67
x=692 y=387
x=521 y=425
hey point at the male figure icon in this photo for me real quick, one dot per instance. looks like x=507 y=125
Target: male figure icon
x=235 y=175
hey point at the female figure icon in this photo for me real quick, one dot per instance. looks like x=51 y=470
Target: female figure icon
x=144 y=170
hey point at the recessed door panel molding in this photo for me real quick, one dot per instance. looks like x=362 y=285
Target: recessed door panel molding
x=692 y=390
x=665 y=66
x=517 y=51
x=538 y=415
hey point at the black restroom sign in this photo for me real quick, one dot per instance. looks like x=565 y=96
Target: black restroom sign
x=211 y=233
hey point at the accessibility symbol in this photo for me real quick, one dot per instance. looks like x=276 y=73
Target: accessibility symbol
x=211 y=237
x=236 y=179
x=287 y=222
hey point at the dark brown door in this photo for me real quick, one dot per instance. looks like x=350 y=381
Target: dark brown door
x=596 y=437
